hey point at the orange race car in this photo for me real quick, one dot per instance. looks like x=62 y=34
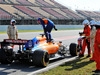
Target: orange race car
x=37 y=51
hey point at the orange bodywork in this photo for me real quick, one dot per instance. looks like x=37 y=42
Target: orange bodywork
x=50 y=47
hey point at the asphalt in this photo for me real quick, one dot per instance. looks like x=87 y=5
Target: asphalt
x=67 y=37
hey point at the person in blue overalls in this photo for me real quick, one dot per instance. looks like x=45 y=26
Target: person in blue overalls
x=48 y=28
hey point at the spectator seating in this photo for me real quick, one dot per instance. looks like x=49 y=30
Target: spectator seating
x=7 y=1
x=76 y=14
x=71 y=14
x=82 y=13
x=27 y=11
x=4 y=15
x=24 y=2
x=45 y=14
x=97 y=19
x=52 y=12
x=44 y=3
x=92 y=14
x=61 y=12
x=14 y=2
x=97 y=14
x=13 y=11
x=33 y=2
x=48 y=1
x=59 y=5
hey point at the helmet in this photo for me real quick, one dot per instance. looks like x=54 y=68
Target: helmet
x=85 y=22
x=12 y=21
x=92 y=22
x=98 y=23
x=39 y=20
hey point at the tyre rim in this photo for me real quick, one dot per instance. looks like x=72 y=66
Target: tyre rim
x=45 y=59
x=76 y=50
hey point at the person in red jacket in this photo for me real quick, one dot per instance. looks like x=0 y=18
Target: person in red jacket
x=86 y=42
x=97 y=48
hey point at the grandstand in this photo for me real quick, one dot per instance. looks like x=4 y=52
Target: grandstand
x=14 y=12
x=48 y=1
x=44 y=3
x=59 y=5
x=43 y=13
x=4 y=15
x=90 y=14
x=30 y=10
x=35 y=3
x=13 y=2
x=24 y=2
x=52 y=12
x=27 y=11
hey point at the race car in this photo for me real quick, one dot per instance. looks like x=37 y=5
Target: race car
x=37 y=51
x=76 y=49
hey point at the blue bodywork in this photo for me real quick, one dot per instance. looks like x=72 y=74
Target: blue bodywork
x=32 y=44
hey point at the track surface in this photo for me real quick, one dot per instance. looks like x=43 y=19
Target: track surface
x=17 y=68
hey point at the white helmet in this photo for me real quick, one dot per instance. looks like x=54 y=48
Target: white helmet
x=85 y=22
x=92 y=22
x=12 y=21
x=98 y=23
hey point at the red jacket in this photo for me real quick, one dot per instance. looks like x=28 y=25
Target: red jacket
x=97 y=49
x=97 y=38
x=87 y=30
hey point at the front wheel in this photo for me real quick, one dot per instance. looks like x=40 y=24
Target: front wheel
x=73 y=49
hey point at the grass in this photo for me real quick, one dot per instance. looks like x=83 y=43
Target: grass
x=1 y=32
x=80 y=66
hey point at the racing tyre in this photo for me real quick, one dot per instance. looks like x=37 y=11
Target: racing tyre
x=4 y=59
x=73 y=49
x=40 y=58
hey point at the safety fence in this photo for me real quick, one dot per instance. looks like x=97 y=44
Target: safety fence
x=34 y=21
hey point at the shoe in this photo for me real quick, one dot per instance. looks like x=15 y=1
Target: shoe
x=96 y=71
x=88 y=56
x=51 y=40
x=81 y=55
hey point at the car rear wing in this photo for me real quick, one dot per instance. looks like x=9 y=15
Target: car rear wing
x=16 y=42
x=7 y=42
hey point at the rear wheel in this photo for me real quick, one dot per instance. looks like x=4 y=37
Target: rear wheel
x=6 y=61
x=6 y=58
x=73 y=49
x=40 y=58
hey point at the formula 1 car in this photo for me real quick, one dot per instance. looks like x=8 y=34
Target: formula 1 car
x=76 y=49
x=36 y=51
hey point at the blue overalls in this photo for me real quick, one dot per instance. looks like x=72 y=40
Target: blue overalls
x=49 y=27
